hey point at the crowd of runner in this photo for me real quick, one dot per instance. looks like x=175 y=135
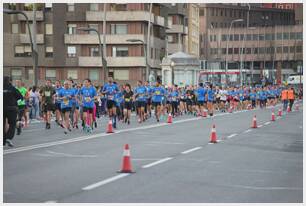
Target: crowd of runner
x=77 y=106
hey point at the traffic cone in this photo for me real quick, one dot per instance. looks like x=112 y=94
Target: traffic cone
x=110 y=127
x=169 y=118
x=204 y=113
x=254 y=122
x=126 y=162
x=280 y=112
x=273 y=116
x=288 y=109
x=213 y=136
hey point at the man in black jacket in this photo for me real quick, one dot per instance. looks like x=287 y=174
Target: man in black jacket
x=10 y=97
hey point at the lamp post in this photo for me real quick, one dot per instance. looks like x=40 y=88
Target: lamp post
x=104 y=62
x=145 y=53
x=226 y=63
x=34 y=52
x=172 y=64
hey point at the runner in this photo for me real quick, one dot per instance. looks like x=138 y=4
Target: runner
x=139 y=93
x=201 y=93
x=158 y=93
x=174 y=99
x=47 y=101
x=128 y=95
x=57 y=101
x=210 y=99
x=21 y=106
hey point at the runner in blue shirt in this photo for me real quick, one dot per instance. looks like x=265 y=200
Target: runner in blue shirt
x=65 y=96
x=201 y=94
x=210 y=99
x=140 y=93
x=158 y=93
x=174 y=99
x=119 y=103
x=88 y=94
x=58 y=88
x=253 y=98
x=110 y=89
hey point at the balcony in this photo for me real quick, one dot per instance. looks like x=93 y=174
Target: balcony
x=39 y=16
x=173 y=48
x=124 y=16
x=25 y=38
x=93 y=38
x=177 y=28
x=112 y=61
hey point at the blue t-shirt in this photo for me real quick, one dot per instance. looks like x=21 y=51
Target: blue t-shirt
x=173 y=97
x=67 y=94
x=88 y=95
x=210 y=95
x=253 y=96
x=75 y=93
x=158 y=93
x=201 y=92
x=140 y=93
x=57 y=91
x=119 y=98
x=262 y=95
x=110 y=90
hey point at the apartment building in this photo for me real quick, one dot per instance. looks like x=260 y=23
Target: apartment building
x=193 y=38
x=273 y=52
x=66 y=52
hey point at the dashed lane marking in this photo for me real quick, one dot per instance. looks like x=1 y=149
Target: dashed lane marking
x=247 y=131
x=267 y=123
x=191 y=150
x=232 y=135
x=157 y=162
x=259 y=126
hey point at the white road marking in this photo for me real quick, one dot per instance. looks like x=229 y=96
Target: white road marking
x=278 y=117
x=191 y=150
x=267 y=123
x=259 y=126
x=232 y=135
x=52 y=201
x=156 y=142
x=70 y=155
x=247 y=131
x=106 y=181
x=139 y=159
x=157 y=162
x=265 y=188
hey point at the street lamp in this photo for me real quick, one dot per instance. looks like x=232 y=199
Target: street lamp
x=145 y=53
x=104 y=62
x=229 y=31
x=172 y=64
x=34 y=53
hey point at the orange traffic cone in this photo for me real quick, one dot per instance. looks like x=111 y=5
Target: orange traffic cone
x=126 y=163
x=280 y=112
x=204 y=113
x=273 y=116
x=169 y=118
x=213 y=136
x=288 y=109
x=254 y=122
x=110 y=127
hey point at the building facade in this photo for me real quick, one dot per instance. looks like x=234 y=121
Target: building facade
x=193 y=37
x=66 y=52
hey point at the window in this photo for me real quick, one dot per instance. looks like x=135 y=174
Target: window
x=286 y=35
x=49 y=28
x=14 y=28
x=299 y=49
x=71 y=51
x=236 y=50
x=118 y=28
x=249 y=37
x=51 y=74
x=16 y=74
x=248 y=50
x=118 y=7
x=48 y=5
x=119 y=51
x=236 y=37
x=94 y=74
x=279 y=36
x=72 y=73
x=49 y=51
x=255 y=50
x=70 y=7
x=261 y=37
x=223 y=50
x=94 y=7
x=292 y=35
x=170 y=38
x=292 y=49
x=224 y=37
x=230 y=50
x=279 y=49
x=94 y=51
x=231 y=37
x=121 y=74
x=241 y=37
x=72 y=28
x=262 y=50
x=255 y=37
x=94 y=26
x=299 y=35
x=210 y=38
x=19 y=51
x=268 y=37
x=285 y=49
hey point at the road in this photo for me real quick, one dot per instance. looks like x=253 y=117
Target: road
x=173 y=162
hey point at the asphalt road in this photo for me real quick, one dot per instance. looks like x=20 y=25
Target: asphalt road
x=173 y=162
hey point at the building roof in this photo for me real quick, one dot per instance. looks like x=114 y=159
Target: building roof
x=181 y=58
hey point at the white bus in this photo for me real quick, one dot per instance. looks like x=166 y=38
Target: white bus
x=295 y=79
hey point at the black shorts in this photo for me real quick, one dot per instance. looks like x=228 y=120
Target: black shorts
x=128 y=105
x=90 y=110
x=110 y=104
x=140 y=104
x=48 y=107
x=270 y=98
x=155 y=104
x=183 y=100
x=67 y=109
x=189 y=102
x=218 y=100
x=149 y=101
x=200 y=103
x=58 y=106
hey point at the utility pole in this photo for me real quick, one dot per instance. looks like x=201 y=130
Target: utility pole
x=34 y=53
x=104 y=63
x=148 y=45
